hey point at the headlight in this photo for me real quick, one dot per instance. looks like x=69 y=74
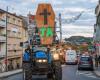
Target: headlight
x=56 y=56
x=40 y=61
x=44 y=60
x=61 y=54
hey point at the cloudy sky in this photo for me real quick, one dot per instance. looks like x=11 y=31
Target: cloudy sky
x=68 y=8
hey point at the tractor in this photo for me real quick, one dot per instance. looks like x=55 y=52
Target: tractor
x=38 y=58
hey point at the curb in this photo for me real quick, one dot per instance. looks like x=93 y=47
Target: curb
x=10 y=73
x=95 y=72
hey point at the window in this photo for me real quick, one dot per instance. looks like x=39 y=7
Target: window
x=19 y=34
x=8 y=18
x=0 y=14
x=0 y=46
x=8 y=32
x=14 y=45
x=14 y=20
x=85 y=58
x=14 y=33
x=9 y=46
x=19 y=22
x=25 y=33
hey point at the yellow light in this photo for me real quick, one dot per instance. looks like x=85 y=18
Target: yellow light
x=61 y=54
x=39 y=60
x=56 y=56
x=44 y=60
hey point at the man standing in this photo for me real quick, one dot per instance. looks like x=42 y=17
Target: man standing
x=26 y=56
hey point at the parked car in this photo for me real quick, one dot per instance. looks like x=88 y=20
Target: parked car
x=85 y=62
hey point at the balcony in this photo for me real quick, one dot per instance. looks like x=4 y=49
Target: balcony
x=2 y=23
x=2 y=38
x=2 y=55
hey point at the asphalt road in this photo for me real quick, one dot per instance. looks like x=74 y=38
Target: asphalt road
x=70 y=72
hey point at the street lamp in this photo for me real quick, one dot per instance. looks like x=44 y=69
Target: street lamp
x=6 y=38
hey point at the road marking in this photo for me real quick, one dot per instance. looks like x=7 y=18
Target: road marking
x=86 y=73
x=63 y=65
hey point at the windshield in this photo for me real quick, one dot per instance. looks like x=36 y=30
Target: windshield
x=85 y=59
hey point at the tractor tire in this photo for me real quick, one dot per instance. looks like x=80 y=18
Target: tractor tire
x=27 y=73
x=50 y=77
x=57 y=71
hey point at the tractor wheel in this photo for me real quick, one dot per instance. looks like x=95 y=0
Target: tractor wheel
x=50 y=77
x=27 y=73
x=57 y=71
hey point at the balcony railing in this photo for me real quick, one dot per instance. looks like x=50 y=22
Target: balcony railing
x=2 y=38
x=2 y=23
x=2 y=54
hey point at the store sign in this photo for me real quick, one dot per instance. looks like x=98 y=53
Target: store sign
x=46 y=32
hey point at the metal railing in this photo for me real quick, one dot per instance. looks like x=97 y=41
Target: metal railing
x=2 y=23
x=2 y=38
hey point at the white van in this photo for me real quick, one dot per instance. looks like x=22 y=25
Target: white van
x=71 y=57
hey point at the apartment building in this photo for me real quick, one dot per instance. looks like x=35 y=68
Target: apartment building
x=97 y=29
x=31 y=26
x=2 y=41
x=16 y=33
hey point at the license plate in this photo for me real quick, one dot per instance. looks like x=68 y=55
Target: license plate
x=85 y=64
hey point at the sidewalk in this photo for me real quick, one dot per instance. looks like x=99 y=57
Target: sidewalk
x=10 y=73
x=97 y=71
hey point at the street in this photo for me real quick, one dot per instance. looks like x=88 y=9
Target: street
x=70 y=72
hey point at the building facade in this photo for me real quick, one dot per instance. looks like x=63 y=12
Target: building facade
x=16 y=33
x=2 y=40
x=97 y=29
x=31 y=26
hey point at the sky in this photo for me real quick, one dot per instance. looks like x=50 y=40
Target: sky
x=84 y=26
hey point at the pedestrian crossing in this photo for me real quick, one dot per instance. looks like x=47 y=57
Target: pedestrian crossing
x=87 y=74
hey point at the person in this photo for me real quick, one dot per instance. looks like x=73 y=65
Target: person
x=99 y=59
x=10 y=66
x=96 y=60
x=26 y=56
x=0 y=67
x=18 y=65
x=49 y=53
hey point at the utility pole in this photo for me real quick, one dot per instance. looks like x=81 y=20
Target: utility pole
x=60 y=25
x=58 y=29
x=6 y=39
